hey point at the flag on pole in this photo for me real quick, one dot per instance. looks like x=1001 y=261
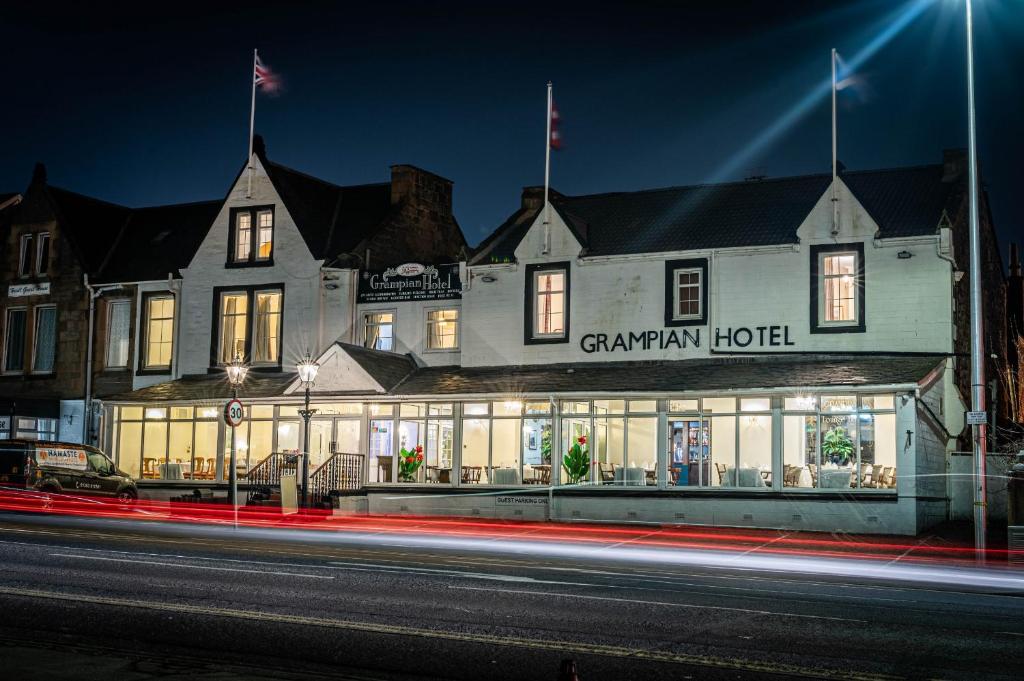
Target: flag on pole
x=556 y=135
x=264 y=78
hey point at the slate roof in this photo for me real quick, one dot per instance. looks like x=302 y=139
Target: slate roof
x=210 y=387
x=903 y=201
x=90 y=224
x=387 y=368
x=332 y=219
x=699 y=375
x=158 y=241
x=704 y=375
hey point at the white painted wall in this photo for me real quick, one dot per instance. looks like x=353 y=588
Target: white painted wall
x=907 y=300
x=411 y=329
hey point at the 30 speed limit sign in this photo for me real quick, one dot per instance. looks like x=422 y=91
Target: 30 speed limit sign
x=233 y=413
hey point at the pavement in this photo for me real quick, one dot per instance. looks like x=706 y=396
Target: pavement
x=88 y=597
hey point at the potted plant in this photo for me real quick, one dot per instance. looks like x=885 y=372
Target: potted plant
x=837 y=446
x=545 y=446
x=409 y=461
x=576 y=461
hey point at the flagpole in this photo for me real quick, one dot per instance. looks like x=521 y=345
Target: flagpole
x=835 y=200
x=252 y=122
x=547 y=178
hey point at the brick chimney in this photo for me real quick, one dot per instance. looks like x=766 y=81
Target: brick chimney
x=533 y=197
x=954 y=164
x=424 y=193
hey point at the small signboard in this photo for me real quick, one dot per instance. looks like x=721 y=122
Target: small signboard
x=233 y=413
x=62 y=458
x=21 y=290
x=410 y=281
x=977 y=418
x=289 y=492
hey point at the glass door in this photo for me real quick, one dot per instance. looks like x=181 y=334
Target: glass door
x=321 y=441
x=689 y=459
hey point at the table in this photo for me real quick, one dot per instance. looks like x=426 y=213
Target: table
x=630 y=476
x=505 y=476
x=170 y=471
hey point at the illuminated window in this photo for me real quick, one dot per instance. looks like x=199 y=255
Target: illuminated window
x=252 y=236
x=839 y=288
x=234 y=308
x=687 y=294
x=118 y=325
x=442 y=329
x=266 y=234
x=266 y=336
x=243 y=237
x=159 y=332
x=379 y=330
x=549 y=303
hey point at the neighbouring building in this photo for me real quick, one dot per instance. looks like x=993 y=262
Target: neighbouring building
x=730 y=354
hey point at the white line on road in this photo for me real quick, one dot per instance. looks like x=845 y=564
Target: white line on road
x=192 y=567
x=665 y=603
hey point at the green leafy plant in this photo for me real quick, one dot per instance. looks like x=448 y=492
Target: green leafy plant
x=409 y=461
x=545 y=446
x=576 y=461
x=837 y=445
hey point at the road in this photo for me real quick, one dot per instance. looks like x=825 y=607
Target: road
x=85 y=598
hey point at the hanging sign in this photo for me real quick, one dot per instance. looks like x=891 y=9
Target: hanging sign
x=233 y=413
x=410 y=281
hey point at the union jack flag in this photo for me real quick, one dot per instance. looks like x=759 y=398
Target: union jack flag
x=556 y=134
x=264 y=78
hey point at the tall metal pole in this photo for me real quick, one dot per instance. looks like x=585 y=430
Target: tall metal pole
x=547 y=178
x=977 y=322
x=252 y=123
x=233 y=472
x=835 y=158
x=306 y=414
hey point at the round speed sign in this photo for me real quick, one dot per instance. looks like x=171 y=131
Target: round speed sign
x=233 y=413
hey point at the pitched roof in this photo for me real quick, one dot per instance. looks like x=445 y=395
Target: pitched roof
x=91 y=225
x=387 y=368
x=158 y=241
x=903 y=201
x=333 y=219
x=199 y=387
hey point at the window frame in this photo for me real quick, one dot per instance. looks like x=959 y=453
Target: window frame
x=25 y=255
x=253 y=260
x=250 y=317
x=672 y=267
x=458 y=328
x=530 y=335
x=363 y=326
x=42 y=265
x=36 y=309
x=111 y=304
x=6 y=334
x=145 y=368
x=817 y=288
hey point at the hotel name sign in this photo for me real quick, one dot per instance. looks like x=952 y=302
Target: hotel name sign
x=410 y=281
x=724 y=338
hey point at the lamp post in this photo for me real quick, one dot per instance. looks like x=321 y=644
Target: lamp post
x=307 y=369
x=236 y=374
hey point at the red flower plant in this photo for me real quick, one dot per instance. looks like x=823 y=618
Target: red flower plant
x=582 y=439
x=409 y=462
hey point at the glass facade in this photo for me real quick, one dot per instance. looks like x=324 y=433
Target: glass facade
x=752 y=443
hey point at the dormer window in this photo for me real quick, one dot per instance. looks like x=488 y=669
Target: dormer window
x=252 y=236
x=547 y=303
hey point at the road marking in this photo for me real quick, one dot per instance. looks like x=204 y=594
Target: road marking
x=581 y=648
x=191 y=567
x=665 y=603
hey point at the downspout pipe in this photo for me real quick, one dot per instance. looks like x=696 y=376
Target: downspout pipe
x=94 y=293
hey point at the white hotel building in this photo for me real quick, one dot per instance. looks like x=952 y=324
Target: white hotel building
x=732 y=355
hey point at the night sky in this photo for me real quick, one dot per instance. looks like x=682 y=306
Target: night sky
x=143 y=108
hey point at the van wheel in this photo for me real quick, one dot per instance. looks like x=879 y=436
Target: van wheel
x=126 y=497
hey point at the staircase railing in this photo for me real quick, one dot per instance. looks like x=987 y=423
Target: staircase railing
x=343 y=471
x=266 y=475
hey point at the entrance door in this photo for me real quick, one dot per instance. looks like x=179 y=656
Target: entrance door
x=689 y=452
x=328 y=435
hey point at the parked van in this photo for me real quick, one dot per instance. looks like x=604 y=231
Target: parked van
x=63 y=467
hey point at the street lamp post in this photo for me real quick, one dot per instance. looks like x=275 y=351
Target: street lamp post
x=236 y=374
x=307 y=369
x=977 y=321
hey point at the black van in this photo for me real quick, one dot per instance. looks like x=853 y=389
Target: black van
x=63 y=467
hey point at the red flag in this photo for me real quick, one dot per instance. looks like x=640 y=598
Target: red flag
x=264 y=78
x=556 y=135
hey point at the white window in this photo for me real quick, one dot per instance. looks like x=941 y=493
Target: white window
x=839 y=288
x=159 y=330
x=25 y=257
x=118 y=324
x=379 y=330
x=42 y=252
x=266 y=234
x=44 y=342
x=234 y=309
x=266 y=336
x=549 y=304
x=14 y=340
x=243 y=237
x=687 y=294
x=442 y=329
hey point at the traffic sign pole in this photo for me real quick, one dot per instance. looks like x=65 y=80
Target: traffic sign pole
x=233 y=412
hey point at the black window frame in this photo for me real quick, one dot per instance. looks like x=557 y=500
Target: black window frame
x=143 y=368
x=24 y=310
x=42 y=264
x=531 y=297
x=252 y=260
x=816 y=251
x=250 y=315
x=26 y=254
x=671 y=266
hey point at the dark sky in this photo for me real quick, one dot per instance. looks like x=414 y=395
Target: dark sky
x=145 y=106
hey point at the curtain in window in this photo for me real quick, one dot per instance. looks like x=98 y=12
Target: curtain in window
x=372 y=332
x=117 y=338
x=227 y=333
x=262 y=336
x=46 y=339
x=434 y=330
x=15 y=350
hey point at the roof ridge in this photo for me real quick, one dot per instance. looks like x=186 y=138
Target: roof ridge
x=323 y=181
x=86 y=196
x=202 y=202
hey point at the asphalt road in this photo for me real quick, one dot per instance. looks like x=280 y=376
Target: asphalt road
x=109 y=599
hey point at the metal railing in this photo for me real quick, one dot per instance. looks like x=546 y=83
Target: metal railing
x=266 y=475
x=342 y=471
